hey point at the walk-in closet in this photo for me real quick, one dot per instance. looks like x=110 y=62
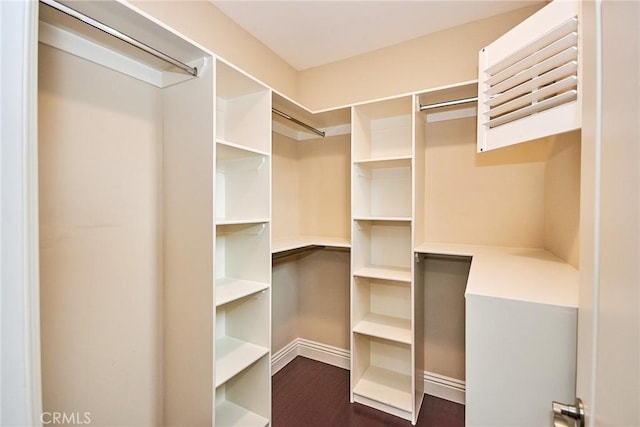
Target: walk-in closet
x=197 y=215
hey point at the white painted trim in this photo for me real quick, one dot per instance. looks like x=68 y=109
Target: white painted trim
x=21 y=401
x=282 y=358
x=324 y=353
x=310 y=349
x=437 y=385
x=444 y=387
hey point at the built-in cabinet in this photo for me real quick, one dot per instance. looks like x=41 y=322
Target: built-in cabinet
x=386 y=346
x=242 y=250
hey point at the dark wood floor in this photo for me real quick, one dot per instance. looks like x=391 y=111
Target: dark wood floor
x=307 y=393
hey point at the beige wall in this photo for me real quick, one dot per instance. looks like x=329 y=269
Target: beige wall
x=311 y=196
x=445 y=279
x=202 y=22
x=100 y=246
x=438 y=59
x=562 y=197
x=286 y=187
x=441 y=58
x=284 y=301
x=325 y=189
x=323 y=297
x=492 y=198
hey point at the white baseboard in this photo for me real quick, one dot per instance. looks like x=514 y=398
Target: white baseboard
x=313 y=350
x=446 y=388
x=437 y=385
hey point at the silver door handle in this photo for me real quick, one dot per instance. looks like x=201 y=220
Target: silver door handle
x=575 y=412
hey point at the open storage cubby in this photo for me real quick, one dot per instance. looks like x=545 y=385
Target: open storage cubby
x=242 y=184
x=382 y=130
x=243 y=260
x=382 y=308
x=382 y=189
x=382 y=375
x=243 y=110
x=242 y=337
x=238 y=401
x=382 y=249
x=242 y=368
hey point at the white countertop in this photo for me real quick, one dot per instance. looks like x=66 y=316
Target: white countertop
x=523 y=274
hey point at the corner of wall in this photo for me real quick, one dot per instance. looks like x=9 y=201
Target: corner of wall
x=562 y=197
x=406 y=67
x=205 y=24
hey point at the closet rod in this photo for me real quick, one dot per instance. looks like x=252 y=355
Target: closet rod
x=117 y=34
x=298 y=122
x=448 y=103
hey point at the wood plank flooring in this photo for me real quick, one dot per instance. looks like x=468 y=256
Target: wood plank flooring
x=307 y=393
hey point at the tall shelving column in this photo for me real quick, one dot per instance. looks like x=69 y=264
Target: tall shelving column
x=242 y=377
x=385 y=347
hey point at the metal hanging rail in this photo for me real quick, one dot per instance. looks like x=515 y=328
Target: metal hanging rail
x=298 y=122
x=117 y=34
x=448 y=103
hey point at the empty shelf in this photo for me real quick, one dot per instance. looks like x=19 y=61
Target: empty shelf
x=229 y=289
x=383 y=218
x=386 y=162
x=229 y=150
x=282 y=245
x=236 y=221
x=387 y=273
x=386 y=327
x=233 y=356
x=229 y=414
x=387 y=387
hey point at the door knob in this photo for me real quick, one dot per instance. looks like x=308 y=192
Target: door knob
x=575 y=412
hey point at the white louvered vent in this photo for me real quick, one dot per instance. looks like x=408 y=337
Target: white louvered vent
x=529 y=79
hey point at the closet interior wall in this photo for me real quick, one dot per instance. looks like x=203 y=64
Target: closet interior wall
x=100 y=178
x=311 y=198
x=526 y=195
x=116 y=205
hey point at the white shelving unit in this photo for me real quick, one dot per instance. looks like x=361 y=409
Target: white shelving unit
x=242 y=184
x=242 y=250
x=386 y=311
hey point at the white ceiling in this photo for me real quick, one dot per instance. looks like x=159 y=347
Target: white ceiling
x=309 y=33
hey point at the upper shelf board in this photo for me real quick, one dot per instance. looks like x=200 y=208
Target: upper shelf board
x=72 y=35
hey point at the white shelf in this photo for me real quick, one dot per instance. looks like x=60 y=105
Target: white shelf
x=385 y=386
x=230 y=150
x=386 y=327
x=230 y=289
x=240 y=221
x=233 y=356
x=281 y=245
x=383 y=218
x=386 y=273
x=385 y=162
x=229 y=414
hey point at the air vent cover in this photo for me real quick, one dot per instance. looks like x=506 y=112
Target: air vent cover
x=529 y=85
